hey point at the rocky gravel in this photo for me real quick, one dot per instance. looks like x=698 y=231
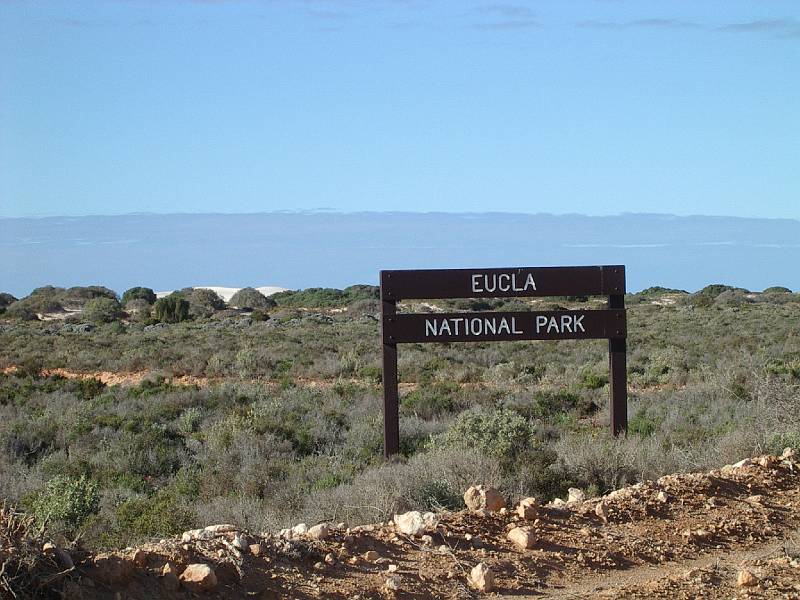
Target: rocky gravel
x=731 y=532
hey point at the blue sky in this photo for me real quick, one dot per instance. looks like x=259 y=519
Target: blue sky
x=596 y=107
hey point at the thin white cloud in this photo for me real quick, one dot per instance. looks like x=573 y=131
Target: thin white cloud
x=508 y=11
x=782 y=28
x=508 y=25
x=653 y=23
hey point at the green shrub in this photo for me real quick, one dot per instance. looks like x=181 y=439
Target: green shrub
x=78 y=296
x=250 y=298
x=202 y=302
x=159 y=515
x=326 y=297
x=102 y=310
x=428 y=402
x=172 y=309
x=86 y=389
x=437 y=494
x=66 y=500
x=715 y=289
x=658 y=290
x=139 y=293
x=787 y=439
x=6 y=300
x=594 y=381
x=138 y=309
x=548 y=405
x=21 y=312
x=642 y=424
x=502 y=433
x=190 y=420
x=372 y=373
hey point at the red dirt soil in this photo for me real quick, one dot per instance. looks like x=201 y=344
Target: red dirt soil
x=683 y=536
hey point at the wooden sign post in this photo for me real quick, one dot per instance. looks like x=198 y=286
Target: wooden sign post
x=432 y=284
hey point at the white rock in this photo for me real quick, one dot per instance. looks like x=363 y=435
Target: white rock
x=742 y=463
x=482 y=578
x=199 y=578
x=745 y=578
x=523 y=537
x=431 y=520
x=223 y=528
x=393 y=583
x=300 y=529
x=241 y=543
x=480 y=497
x=410 y=523
x=528 y=509
x=319 y=532
x=190 y=535
x=575 y=495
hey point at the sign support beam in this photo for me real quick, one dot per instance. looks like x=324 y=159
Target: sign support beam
x=618 y=380
x=391 y=396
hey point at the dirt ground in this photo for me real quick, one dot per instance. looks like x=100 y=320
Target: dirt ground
x=134 y=378
x=683 y=536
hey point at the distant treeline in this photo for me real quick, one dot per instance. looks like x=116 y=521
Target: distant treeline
x=100 y=304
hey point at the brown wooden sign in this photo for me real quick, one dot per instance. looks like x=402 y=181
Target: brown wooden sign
x=503 y=326
x=502 y=283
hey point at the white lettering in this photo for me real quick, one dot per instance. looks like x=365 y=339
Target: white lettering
x=504 y=287
x=503 y=324
x=476 y=283
x=566 y=323
x=476 y=327
x=514 y=326
x=430 y=327
x=578 y=322
x=455 y=324
x=490 y=324
x=552 y=324
x=503 y=282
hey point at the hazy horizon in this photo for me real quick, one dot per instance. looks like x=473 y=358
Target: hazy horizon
x=330 y=210
x=299 y=249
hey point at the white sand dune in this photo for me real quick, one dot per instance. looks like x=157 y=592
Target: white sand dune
x=226 y=293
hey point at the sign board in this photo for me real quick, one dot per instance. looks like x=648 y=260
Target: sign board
x=491 y=326
x=430 y=284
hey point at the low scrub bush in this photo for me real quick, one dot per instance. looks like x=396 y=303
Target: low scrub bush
x=66 y=501
x=172 y=309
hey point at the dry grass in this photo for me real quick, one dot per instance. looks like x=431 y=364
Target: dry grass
x=26 y=571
